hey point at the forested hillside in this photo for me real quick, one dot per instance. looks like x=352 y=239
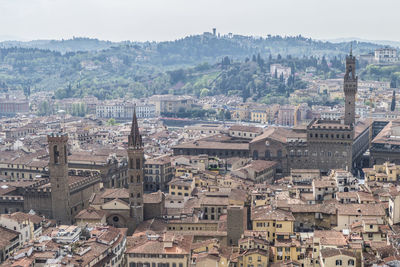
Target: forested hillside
x=201 y=64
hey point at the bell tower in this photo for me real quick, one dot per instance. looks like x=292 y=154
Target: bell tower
x=135 y=175
x=58 y=170
x=350 y=89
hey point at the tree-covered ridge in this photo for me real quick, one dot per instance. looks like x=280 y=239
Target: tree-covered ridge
x=235 y=65
x=250 y=78
x=389 y=73
x=64 y=46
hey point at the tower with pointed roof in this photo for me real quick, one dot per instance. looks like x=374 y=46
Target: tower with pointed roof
x=350 y=89
x=135 y=175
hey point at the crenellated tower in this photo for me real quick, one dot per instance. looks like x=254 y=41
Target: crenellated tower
x=58 y=171
x=135 y=175
x=350 y=89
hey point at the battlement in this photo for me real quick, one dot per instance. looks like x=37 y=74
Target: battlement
x=38 y=190
x=57 y=137
x=11 y=198
x=350 y=58
x=328 y=124
x=82 y=181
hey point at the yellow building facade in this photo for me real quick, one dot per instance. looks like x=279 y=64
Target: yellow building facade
x=276 y=223
x=387 y=172
x=259 y=116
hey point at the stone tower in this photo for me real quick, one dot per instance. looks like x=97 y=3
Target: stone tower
x=350 y=90
x=135 y=175
x=235 y=224
x=58 y=169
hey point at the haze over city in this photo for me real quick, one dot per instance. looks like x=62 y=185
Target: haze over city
x=161 y=20
x=171 y=133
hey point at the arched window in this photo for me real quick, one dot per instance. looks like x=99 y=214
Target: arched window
x=65 y=154
x=137 y=164
x=338 y=262
x=351 y=263
x=267 y=154
x=130 y=163
x=56 y=154
x=255 y=154
x=291 y=153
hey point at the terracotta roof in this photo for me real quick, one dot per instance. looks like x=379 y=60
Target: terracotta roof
x=387 y=136
x=159 y=160
x=277 y=133
x=330 y=238
x=260 y=165
x=203 y=144
x=180 y=245
x=244 y=128
x=307 y=208
x=322 y=183
x=361 y=209
x=268 y=213
x=347 y=195
x=331 y=252
x=6 y=235
x=17 y=216
x=90 y=214
x=153 y=198
x=115 y=193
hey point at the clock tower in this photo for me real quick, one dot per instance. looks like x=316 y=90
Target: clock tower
x=350 y=89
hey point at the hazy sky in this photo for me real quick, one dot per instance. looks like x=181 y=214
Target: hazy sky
x=140 y=20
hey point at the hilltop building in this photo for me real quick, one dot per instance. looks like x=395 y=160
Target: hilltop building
x=386 y=55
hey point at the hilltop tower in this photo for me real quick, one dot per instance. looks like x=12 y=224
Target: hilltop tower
x=58 y=169
x=135 y=175
x=350 y=89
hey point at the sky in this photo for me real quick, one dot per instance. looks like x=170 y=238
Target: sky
x=159 y=20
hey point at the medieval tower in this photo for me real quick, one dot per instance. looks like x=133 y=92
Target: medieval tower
x=135 y=175
x=350 y=89
x=58 y=170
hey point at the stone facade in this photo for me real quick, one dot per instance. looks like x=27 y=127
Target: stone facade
x=58 y=168
x=350 y=90
x=324 y=144
x=136 y=176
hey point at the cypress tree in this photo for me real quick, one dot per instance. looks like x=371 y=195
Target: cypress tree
x=393 y=105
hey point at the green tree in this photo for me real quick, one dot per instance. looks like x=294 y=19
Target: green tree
x=111 y=122
x=227 y=115
x=393 y=104
x=204 y=92
x=44 y=108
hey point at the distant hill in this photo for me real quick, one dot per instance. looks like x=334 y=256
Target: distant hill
x=379 y=42
x=83 y=66
x=207 y=47
x=63 y=46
